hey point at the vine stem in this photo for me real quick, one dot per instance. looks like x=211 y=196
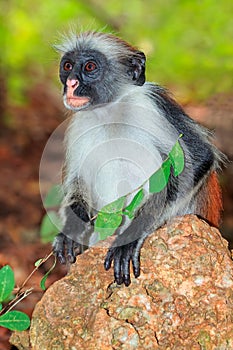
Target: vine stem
x=20 y=295
x=42 y=261
x=17 y=299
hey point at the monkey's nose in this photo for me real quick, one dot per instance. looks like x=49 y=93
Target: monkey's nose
x=72 y=83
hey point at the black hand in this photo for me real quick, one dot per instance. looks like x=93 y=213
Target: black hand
x=66 y=249
x=121 y=256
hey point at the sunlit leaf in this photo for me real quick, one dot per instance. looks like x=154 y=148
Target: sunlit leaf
x=109 y=218
x=106 y=224
x=134 y=204
x=114 y=207
x=7 y=282
x=15 y=321
x=159 y=180
x=38 y=262
x=176 y=156
x=54 y=197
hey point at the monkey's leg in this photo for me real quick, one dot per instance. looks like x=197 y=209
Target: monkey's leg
x=73 y=239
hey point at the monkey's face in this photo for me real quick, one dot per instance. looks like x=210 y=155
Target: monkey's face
x=90 y=79
x=83 y=75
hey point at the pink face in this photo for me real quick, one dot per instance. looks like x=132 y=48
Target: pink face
x=72 y=100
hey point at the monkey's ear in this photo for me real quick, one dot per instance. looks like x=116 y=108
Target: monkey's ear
x=138 y=68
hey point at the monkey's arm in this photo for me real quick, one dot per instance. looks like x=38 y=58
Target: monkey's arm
x=180 y=197
x=121 y=253
x=73 y=239
x=158 y=208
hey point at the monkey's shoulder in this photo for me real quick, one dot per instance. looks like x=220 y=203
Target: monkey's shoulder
x=164 y=99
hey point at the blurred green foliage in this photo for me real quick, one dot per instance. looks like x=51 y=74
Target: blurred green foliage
x=188 y=42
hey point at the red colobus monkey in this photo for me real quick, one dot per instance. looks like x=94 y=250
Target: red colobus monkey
x=121 y=131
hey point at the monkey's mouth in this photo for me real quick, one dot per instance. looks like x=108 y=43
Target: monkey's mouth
x=77 y=101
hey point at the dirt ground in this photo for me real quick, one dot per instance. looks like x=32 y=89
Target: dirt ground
x=22 y=141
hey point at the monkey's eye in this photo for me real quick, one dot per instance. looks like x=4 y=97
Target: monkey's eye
x=68 y=66
x=90 y=66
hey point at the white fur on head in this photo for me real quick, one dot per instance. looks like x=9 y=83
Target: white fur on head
x=107 y=44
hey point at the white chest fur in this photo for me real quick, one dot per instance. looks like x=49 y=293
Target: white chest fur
x=113 y=149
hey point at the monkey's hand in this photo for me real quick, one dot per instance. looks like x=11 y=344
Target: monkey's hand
x=66 y=250
x=121 y=256
x=74 y=238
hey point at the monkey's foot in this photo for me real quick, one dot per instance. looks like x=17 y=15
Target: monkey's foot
x=122 y=256
x=66 y=249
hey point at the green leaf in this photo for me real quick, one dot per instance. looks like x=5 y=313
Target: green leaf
x=7 y=282
x=136 y=201
x=159 y=180
x=15 y=321
x=0 y=307
x=38 y=262
x=50 y=226
x=54 y=197
x=106 y=224
x=43 y=280
x=114 y=207
x=176 y=156
x=109 y=218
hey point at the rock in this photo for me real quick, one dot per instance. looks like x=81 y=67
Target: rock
x=183 y=298
x=21 y=340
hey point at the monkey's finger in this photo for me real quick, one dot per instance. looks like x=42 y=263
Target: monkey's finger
x=126 y=270
x=71 y=258
x=58 y=248
x=114 y=254
x=77 y=247
x=136 y=263
x=109 y=259
x=117 y=269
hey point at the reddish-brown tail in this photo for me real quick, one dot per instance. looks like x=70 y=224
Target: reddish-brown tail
x=209 y=200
